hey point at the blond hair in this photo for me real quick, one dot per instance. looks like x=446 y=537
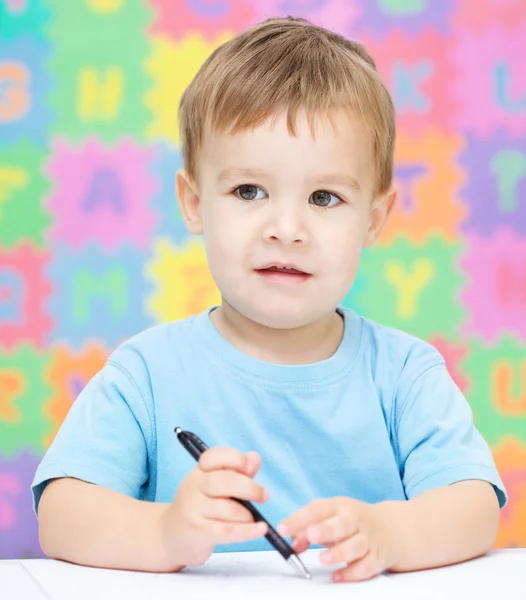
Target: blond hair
x=287 y=65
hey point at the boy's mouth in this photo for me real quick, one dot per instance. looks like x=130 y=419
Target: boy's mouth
x=283 y=271
x=279 y=267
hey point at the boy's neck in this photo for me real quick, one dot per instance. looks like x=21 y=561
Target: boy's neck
x=304 y=345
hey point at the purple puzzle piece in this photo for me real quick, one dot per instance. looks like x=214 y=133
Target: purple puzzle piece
x=18 y=524
x=496 y=188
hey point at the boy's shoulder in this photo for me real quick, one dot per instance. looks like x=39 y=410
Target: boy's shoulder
x=153 y=344
x=396 y=353
x=396 y=341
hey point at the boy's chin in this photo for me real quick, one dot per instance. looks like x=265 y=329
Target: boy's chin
x=281 y=318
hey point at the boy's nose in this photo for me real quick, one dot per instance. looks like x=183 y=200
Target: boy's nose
x=287 y=226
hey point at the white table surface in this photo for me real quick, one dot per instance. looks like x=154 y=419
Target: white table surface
x=499 y=575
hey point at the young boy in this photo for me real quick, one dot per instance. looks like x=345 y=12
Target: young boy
x=361 y=442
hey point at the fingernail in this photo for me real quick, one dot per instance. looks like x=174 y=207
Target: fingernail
x=326 y=558
x=283 y=530
x=266 y=495
x=251 y=467
x=337 y=576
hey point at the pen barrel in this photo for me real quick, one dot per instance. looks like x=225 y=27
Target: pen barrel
x=192 y=444
x=272 y=536
x=279 y=543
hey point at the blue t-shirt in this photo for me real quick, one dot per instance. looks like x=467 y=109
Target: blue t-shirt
x=379 y=420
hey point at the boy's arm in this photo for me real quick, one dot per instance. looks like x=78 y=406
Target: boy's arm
x=96 y=526
x=447 y=469
x=93 y=525
x=439 y=527
x=442 y=526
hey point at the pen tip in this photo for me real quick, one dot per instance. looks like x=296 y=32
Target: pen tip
x=294 y=559
x=178 y=430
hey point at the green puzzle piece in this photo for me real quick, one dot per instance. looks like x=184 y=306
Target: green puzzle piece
x=497 y=388
x=101 y=80
x=413 y=288
x=22 y=188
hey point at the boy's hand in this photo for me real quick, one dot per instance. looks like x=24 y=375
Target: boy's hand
x=354 y=532
x=203 y=514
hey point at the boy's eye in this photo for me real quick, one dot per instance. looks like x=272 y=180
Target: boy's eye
x=324 y=199
x=248 y=192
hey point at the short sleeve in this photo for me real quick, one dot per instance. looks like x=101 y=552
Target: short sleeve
x=438 y=443
x=104 y=438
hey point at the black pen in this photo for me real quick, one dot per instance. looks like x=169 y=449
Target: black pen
x=196 y=447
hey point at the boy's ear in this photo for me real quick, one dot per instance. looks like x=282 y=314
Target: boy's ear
x=189 y=202
x=380 y=212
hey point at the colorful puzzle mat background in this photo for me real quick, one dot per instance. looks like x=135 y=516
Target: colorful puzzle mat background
x=93 y=248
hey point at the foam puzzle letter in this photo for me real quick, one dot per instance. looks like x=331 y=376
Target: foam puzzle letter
x=99 y=94
x=105 y=6
x=410 y=285
x=111 y=288
x=403 y=7
x=11 y=386
x=501 y=78
x=406 y=177
x=10 y=179
x=12 y=293
x=510 y=399
x=509 y=168
x=210 y=9
x=15 y=99
x=512 y=285
x=105 y=189
x=407 y=82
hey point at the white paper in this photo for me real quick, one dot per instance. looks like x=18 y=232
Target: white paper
x=16 y=583
x=265 y=575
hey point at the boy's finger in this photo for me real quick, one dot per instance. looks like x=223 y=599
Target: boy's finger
x=348 y=551
x=300 y=543
x=223 y=458
x=331 y=531
x=223 y=509
x=362 y=569
x=228 y=533
x=313 y=513
x=229 y=484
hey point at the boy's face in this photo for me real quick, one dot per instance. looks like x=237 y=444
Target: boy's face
x=265 y=199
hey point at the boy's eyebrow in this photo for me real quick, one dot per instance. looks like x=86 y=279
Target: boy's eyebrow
x=338 y=179
x=231 y=172
x=330 y=178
